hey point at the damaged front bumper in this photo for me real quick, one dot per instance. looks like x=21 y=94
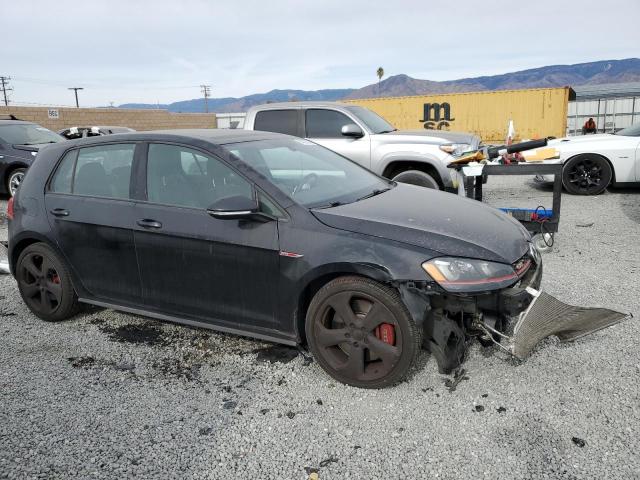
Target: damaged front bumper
x=451 y=321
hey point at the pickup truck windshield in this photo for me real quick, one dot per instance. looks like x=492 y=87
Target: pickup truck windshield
x=372 y=120
x=310 y=174
x=27 y=134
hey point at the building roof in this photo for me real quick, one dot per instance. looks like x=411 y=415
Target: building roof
x=605 y=90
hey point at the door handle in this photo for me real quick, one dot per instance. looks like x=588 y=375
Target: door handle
x=60 y=212
x=148 y=223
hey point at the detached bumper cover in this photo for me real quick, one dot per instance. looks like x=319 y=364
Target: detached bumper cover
x=546 y=316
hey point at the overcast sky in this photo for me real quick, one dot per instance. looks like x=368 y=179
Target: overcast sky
x=148 y=51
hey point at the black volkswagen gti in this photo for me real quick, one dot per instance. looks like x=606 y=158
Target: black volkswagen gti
x=268 y=236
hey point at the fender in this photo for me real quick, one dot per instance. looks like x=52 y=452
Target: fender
x=411 y=156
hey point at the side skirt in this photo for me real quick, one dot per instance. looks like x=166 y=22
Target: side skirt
x=191 y=323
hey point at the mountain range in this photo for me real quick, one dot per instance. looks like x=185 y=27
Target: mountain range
x=592 y=73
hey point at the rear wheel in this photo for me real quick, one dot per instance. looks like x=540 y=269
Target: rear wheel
x=361 y=333
x=416 y=177
x=586 y=175
x=45 y=284
x=14 y=180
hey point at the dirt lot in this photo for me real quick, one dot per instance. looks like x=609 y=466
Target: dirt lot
x=114 y=395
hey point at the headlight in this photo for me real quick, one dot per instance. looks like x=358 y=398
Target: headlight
x=469 y=275
x=455 y=148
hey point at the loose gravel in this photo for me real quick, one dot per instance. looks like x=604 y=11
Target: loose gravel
x=113 y=395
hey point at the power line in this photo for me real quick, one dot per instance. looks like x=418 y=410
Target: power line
x=5 y=88
x=206 y=91
x=75 y=90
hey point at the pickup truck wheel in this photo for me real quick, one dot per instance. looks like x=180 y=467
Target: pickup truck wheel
x=586 y=175
x=361 y=333
x=416 y=177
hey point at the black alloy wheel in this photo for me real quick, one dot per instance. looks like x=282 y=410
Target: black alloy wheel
x=586 y=175
x=45 y=284
x=361 y=333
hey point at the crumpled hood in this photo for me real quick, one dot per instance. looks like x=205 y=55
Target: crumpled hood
x=439 y=136
x=441 y=222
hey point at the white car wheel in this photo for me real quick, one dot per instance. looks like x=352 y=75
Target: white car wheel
x=14 y=180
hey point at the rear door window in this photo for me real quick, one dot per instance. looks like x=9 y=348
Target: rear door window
x=325 y=123
x=278 y=121
x=102 y=171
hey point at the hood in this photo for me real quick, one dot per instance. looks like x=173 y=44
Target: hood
x=582 y=139
x=441 y=222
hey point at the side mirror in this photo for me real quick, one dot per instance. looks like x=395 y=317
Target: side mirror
x=352 y=130
x=230 y=208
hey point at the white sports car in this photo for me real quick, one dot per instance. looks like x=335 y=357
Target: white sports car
x=593 y=162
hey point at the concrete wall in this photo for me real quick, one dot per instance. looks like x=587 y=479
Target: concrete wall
x=536 y=113
x=58 y=118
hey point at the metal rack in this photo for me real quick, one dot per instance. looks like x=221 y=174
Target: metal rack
x=473 y=189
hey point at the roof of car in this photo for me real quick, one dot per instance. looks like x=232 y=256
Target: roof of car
x=308 y=104
x=215 y=136
x=15 y=122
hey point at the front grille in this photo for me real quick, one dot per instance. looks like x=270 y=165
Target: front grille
x=546 y=316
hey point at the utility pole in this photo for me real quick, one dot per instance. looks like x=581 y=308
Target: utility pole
x=75 y=90
x=5 y=88
x=206 y=91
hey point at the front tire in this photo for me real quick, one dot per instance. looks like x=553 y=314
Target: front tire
x=586 y=174
x=361 y=333
x=416 y=177
x=14 y=180
x=45 y=284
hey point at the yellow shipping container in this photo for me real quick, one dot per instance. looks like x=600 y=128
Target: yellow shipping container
x=536 y=112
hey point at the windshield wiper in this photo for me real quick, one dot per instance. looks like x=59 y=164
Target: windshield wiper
x=389 y=131
x=329 y=205
x=36 y=143
x=377 y=191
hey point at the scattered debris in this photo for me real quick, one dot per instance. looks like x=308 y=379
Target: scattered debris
x=479 y=408
x=427 y=389
x=458 y=376
x=182 y=369
x=276 y=353
x=585 y=225
x=264 y=411
x=229 y=405
x=134 y=333
x=327 y=461
x=7 y=314
x=501 y=409
x=319 y=401
x=78 y=362
x=205 y=430
x=578 y=441
x=291 y=414
x=485 y=395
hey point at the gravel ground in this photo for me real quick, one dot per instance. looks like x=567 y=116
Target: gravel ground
x=115 y=395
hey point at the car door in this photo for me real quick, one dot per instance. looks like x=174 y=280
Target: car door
x=324 y=126
x=219 y=270
x=91 y=213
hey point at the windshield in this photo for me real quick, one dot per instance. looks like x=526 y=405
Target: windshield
x=632 y=131
x=27 y=134
x=372 y=120
x=308 y=173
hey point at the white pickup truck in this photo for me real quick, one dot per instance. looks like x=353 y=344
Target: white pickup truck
x=418 y=157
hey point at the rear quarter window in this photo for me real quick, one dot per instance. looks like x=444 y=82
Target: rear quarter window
x=277 y=121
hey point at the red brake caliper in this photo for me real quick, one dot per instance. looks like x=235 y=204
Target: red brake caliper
x=386 y=332
x=55 y=278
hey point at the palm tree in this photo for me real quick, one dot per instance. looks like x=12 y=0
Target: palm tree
x=380 y=74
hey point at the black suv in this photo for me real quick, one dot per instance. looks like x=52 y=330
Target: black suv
x=19 y=144
x=269 y=236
